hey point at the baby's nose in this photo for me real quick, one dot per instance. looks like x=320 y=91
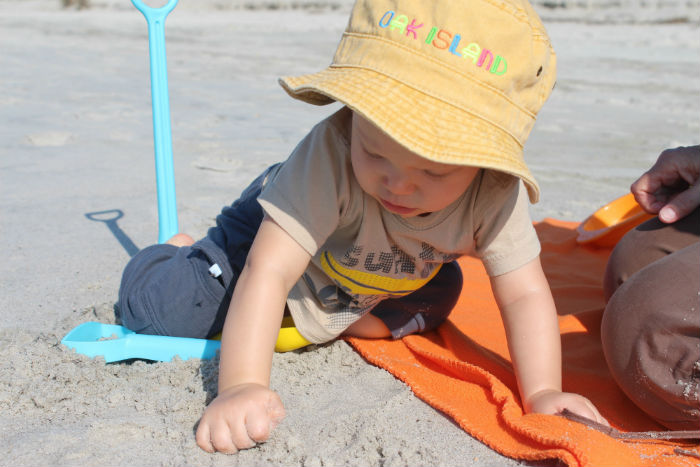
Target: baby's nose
x=399 y=184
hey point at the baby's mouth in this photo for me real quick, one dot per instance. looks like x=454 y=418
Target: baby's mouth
x=396 y=208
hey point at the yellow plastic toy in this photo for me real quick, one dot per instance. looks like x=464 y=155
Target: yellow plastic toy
x=606 y=226
x=288 y=338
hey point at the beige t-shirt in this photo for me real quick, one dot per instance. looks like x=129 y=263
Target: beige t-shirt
x=362 y=253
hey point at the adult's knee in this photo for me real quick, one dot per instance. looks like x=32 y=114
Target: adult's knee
x=650 y=335
x=637 y=249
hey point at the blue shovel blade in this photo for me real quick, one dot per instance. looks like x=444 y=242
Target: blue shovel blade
x=117 y=343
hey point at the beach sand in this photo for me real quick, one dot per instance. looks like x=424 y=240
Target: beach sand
x=77 y=199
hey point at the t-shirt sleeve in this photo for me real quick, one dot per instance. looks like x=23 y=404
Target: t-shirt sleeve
x=310 y=192
x=505 y=238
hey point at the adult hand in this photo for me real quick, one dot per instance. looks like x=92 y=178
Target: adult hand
x=239 y=418
x=671 y=188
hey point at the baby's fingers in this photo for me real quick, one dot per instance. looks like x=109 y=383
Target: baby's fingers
x=585 y=408
x=215 y=438
x=203 y=437
x=239 y=437
x=264 y=418
x=220 y=436
x=225 y=440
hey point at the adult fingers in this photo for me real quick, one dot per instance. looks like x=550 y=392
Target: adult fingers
x=671 y=174
x=681 y=205
x=645 y=190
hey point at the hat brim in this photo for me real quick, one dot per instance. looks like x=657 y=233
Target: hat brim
x=426 y=125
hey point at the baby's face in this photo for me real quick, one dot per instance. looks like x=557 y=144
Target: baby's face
x=400 y=180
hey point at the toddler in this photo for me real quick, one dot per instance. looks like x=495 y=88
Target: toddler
x=356 y=233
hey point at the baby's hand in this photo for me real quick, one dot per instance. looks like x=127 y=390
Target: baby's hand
x=238 y=418
x=554 y=402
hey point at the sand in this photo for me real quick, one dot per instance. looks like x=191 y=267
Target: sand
x=77 y=199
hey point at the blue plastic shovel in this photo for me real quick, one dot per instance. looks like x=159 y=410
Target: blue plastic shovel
x=162 y=139
x=117 y=343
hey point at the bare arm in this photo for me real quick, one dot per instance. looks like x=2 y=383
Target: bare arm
x=274 y=264
x=532 y=329
x=245 y=410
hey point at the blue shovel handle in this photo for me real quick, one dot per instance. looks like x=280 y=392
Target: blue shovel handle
x=162 y=139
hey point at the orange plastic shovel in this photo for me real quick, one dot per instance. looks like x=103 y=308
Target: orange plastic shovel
x=606 y=226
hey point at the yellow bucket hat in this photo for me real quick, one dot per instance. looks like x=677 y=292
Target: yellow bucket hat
x=456 y=82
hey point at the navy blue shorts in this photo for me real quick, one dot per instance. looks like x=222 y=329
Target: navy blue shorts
x=186 y=291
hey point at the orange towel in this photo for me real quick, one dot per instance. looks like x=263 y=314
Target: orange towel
x=463 y=369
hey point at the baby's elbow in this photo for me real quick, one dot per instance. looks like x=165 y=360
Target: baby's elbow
x=271 y=270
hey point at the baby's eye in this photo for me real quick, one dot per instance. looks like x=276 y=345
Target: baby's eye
x=432 y=174
x=374 y=156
